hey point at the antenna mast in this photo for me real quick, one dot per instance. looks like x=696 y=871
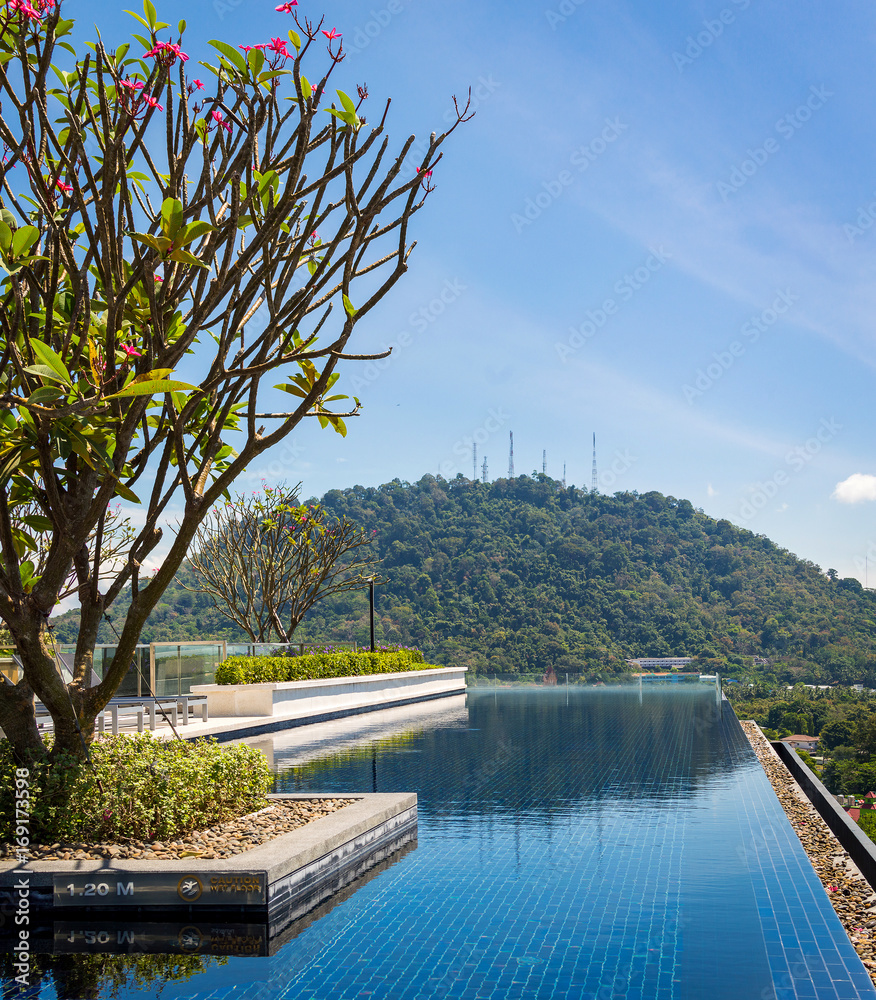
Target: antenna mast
x=484 y=469
x=593 y=481
x=564 y=475
x=544 y=462
x=511 y=457
x=474 y=465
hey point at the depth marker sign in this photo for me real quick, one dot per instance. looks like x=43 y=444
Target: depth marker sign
x=119 y=888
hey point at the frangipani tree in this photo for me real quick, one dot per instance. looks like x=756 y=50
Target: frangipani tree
x=265 y=559
x=230 y=221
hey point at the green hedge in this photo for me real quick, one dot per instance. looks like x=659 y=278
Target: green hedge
x=152 y=790
x=314 y=666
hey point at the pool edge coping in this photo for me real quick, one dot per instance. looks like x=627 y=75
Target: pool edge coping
x=330 y=844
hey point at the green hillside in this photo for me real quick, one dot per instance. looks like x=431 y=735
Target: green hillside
x=517 y=575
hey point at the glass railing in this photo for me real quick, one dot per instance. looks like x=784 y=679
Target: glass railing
x=176 y=667
x=165 y=669
x=168 y=669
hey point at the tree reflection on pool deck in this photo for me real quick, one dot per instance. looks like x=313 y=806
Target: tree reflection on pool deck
x=573 y=843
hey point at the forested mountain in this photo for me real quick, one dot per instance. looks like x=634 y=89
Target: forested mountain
x=517 y=575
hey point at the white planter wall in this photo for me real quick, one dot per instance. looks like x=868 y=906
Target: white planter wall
x=298 y=699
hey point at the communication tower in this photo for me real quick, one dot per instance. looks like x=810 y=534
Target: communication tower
x=593 y=481
x=484 y=469
x=544 y=462
x=511 y=457
x=474 y=465
x=564 y=475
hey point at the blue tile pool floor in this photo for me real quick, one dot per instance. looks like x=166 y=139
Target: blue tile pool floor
x=581 y=843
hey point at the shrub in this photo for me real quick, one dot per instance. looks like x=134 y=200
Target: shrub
x=152 y=790
x=867 y=822
x=315 y=666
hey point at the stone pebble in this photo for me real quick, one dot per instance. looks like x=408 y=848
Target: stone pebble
x=848 y=890
x=225 y=840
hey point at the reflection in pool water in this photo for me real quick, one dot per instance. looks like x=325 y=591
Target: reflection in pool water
x=602 y=843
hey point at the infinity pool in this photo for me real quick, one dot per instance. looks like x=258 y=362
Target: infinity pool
x=573 y=843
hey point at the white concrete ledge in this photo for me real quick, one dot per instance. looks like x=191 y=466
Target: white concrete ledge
x=301 y=699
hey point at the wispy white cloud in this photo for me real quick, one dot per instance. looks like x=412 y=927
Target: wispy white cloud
x=860 y=487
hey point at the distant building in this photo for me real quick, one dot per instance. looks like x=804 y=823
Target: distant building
x=800 y=742
x=660 y=662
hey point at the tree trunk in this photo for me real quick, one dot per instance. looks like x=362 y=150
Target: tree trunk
x=17 y=717
x=294 y=622
x=278 y=625
x=19 y=723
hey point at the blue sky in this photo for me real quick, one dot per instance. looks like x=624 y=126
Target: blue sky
x=658 y=227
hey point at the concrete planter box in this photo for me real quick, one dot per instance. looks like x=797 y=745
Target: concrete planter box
x=277 y=882
x=296 y=699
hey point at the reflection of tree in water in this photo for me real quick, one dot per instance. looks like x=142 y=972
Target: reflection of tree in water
x=101 y=977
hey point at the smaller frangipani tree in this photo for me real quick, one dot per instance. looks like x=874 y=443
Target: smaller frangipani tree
x=266 y=559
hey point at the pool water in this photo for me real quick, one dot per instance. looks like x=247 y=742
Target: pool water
x=573 y=843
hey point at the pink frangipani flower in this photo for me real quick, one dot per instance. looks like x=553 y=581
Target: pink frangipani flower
x=167 y=52
x=330 y=35
x=66 y=188
x=131 y=352
x=217 y=117
x=24 y=8
x=286 y=8
x=279 y=46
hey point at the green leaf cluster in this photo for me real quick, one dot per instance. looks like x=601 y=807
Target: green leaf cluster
x=176 y=235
